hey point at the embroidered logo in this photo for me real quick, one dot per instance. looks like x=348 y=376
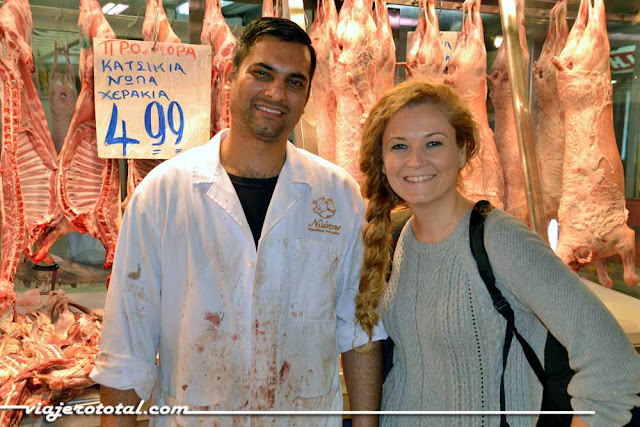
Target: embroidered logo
x=324 y=208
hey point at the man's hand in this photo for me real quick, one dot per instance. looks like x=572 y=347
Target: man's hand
x=576 y=421
x=363 y=377
x=111 y=397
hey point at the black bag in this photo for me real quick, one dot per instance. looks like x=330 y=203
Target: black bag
x=556 y=374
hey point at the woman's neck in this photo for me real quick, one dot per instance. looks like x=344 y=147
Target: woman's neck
x=437 y=220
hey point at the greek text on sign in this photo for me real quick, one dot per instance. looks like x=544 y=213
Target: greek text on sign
x=151 y=103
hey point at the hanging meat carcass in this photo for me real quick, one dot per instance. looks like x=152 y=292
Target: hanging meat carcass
x=88 y=187
x=322 y=91
x=269 y=9
x=156 y=27
x=216 y=33
x=29 y=161
x=548 y=112
x=354 y=51
x=592 y=213
x=515 y=198
x=62 y=97
x=386 y=53
x=483 y=177
x=426 y=59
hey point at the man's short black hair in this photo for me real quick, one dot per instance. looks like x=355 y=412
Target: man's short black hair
x=282 y=29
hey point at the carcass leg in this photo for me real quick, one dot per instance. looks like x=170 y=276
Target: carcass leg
x=603 y=276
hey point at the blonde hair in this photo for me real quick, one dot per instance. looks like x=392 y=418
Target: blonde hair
x=375 y=187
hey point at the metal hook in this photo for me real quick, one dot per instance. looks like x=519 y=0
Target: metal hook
x=155 y=29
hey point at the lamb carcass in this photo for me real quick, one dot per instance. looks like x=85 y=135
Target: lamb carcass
x=322 y=91
x=428 y=60
x=354 y=52
x=88 y=187
x=592 y=213
x=548 y=112
x=483 y=177
x=29 y=160
x=386 y=53
x=269 y=9
x=506 y=138
x=156 y=27
x=216 y=33
x=62 y=98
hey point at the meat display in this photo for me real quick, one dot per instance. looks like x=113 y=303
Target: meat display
x=386 y=53
x=269 y=9
x=46 y=355
x=216 y=33
x=483 y=177
x=592 y=214
x=322 y=34
x=88 y=187
x=354 y=52
x=29 y=161
x=62 y=97
x=156 y=27
x=548 y=112
x=425 y=59
x=515 y=197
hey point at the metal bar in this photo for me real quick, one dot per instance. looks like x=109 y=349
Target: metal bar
x=196 y=16
x=509 y=20
x=529 y=12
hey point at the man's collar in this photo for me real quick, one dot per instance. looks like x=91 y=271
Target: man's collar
x=208 y=169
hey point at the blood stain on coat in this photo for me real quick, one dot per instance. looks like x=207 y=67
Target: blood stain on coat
x=135 y=275
x=184 y=386
x=284 y=370
x=214 y=320
x=234 y=337
x=199 y=348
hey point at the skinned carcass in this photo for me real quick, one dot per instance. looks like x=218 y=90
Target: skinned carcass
x=548 y=112
x=216 y=33
x=386 y=53
x=354 y=51
x=482 y=177
x=88 y=187
x=592 y=214
x=505 y=135
x=29 y=161
x=322 y=91
x=426 y=60
x=62 y=98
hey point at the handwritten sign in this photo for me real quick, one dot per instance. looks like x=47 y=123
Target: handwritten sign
x=150 y=103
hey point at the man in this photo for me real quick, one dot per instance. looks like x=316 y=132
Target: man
x=238 y=262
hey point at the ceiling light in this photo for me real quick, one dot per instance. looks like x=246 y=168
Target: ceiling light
x=117 y=9
x=107 y=7
x=183 y=8
x=497 y=41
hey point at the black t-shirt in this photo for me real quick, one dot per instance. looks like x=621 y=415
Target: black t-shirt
x=255 y=195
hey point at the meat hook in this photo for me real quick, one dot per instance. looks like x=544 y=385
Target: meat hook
x=155 y=28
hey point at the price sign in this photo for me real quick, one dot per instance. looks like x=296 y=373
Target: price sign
x=151 y=103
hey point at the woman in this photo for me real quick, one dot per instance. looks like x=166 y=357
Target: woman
x=448 y=336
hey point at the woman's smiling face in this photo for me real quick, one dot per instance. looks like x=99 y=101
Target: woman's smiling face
x=421 y=155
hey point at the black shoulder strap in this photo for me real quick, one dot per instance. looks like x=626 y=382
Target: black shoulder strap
x=476 y=238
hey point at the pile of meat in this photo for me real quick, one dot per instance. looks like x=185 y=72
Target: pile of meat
x=46 y=355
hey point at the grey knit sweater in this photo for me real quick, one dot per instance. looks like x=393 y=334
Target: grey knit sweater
x=449 y=337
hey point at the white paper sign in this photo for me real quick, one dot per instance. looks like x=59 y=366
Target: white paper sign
x=151 y=103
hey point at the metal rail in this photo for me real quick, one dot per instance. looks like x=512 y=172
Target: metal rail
x=509 y=20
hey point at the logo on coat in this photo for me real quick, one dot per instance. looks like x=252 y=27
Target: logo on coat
x=324 y=208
